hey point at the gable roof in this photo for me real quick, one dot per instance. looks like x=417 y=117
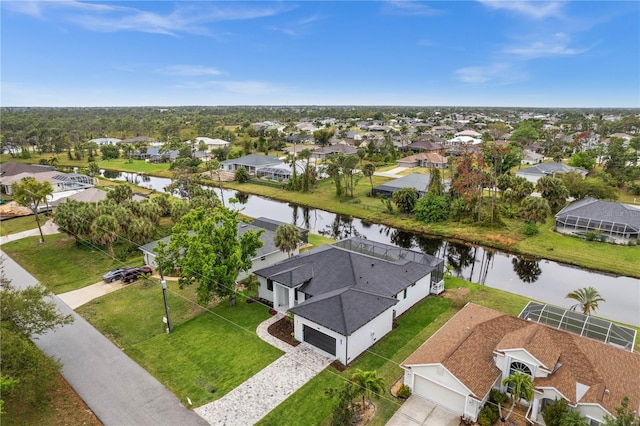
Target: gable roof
x=610 y=211
x=465 y=346
x=335 y=275
x=336 y=148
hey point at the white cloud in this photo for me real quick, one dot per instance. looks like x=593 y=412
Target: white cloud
x=191 y=70
x=502 y=73
x=296 y=28
x=192 y=18
x=407 y=7
x=541 y=49
x=531 y=9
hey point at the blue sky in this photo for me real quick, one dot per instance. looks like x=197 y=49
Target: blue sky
x=459 y=53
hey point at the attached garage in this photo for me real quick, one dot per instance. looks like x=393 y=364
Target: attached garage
x=439 y=394
x=319 y=340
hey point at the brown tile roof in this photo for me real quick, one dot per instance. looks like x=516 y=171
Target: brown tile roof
x=431 y=157
x=465 y=346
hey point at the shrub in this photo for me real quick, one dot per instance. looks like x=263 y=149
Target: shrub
x=498 y=397
x=489 y=414
x=242 y=175
x=404 y=392
x=530 y=229
x=432 y=208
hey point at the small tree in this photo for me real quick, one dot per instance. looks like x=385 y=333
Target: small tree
x=287 y=238
x=120 y=193
x=520 y=387
x=405 y=199
x=555 y=412
x=242 y=175
x=625 y=415
x=368 y=383
x=573 y=418
x=587 y=298
x=31 y=193
x=432 y=208
x=534 y=209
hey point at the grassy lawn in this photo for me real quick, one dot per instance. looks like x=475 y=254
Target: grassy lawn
x=312 y=406
x=208 y=353
x=62 y=265
x=19 y=224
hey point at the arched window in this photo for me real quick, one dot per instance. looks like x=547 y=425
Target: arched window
x=519 y=367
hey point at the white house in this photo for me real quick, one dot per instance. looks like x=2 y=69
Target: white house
x=266 y=255
x=211 y=143
x=345 y=296
x=531 y=158
x=479 y=347
x=251 y=162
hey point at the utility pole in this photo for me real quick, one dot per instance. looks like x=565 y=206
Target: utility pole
x=164 y=295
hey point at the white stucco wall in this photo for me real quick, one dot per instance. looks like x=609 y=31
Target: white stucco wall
x=415 y=293
x=592 y=411
x=262 y=289
x=341 y=341
x=437 y=373
x=369 y=334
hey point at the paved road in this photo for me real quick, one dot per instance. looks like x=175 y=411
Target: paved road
x=118 y=390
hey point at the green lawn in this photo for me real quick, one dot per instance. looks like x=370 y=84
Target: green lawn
x=19 y=224
x=62 y=265
x=207 y=354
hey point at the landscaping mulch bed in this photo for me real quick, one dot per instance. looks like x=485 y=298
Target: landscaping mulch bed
x=283 y=330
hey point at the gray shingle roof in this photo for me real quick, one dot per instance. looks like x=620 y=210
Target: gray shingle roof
x=415 y=180
x=550 y=169
x=344 y=310
x=340 y=281
x=254 y=160
x=611 y=211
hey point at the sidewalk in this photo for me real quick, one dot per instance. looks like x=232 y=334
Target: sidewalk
x=48 y=228
x=255 y=398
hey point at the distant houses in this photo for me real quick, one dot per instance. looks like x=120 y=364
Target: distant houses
x=534 y=173
x=12 y=173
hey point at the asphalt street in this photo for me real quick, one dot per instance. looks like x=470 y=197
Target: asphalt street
x=115 y=388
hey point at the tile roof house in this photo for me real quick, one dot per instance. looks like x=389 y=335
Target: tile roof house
x=615 y=222
x=479 y=347
x=345 y=296
x=266 y=255
x=532 y=174
x=424 y=159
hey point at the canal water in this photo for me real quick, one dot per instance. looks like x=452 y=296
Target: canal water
x=539 y=279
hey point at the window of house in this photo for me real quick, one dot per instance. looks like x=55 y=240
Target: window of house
x=520 y=367
x=404 y=294
x=269 y=285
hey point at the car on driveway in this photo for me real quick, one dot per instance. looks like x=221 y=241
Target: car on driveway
x=113 y=275
x=132 y=274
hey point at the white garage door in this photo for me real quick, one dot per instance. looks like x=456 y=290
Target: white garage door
x=445 y=397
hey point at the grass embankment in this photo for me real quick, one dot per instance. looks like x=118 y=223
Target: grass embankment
x=208 y=353
x=548 y=244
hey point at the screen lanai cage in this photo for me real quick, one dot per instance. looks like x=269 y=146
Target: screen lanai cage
x=394 y=254
x=609 y=228
x=580 y=324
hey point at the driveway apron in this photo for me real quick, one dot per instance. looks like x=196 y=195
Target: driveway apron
x=115 y=388
x=256 y=397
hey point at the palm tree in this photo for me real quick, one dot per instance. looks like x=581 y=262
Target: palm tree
x=520 y=387
x=369 y=383
x=104 y=230
x=573 y=418
x=287 y=238
x=368 y=170
x=588 y=299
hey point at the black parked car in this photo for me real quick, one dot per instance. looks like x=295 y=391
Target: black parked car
x=132 y=274
x=114 y=275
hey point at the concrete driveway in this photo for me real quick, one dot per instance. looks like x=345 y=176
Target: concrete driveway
x=418 y=411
